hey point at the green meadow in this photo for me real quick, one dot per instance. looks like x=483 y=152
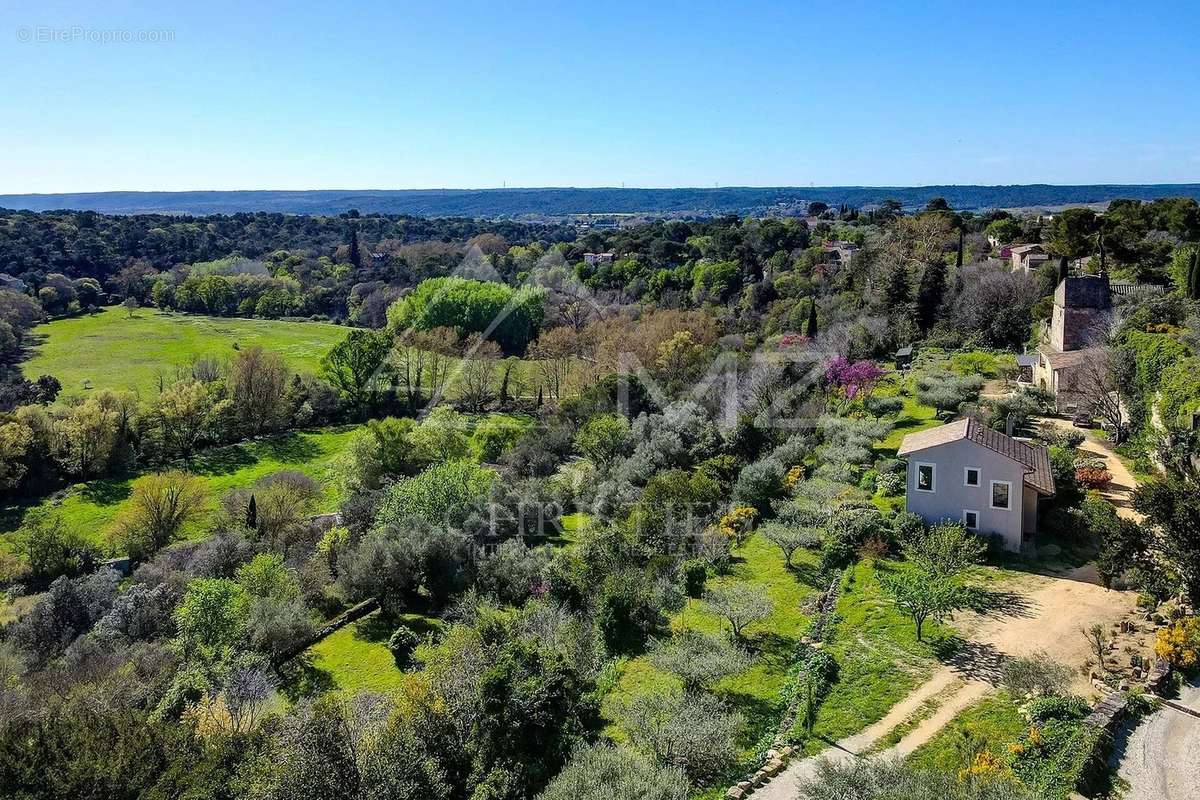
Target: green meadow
x=111 y=350
x=90 y=507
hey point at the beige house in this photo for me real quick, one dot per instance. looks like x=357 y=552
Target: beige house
x=1028 y=257
x=967 y=472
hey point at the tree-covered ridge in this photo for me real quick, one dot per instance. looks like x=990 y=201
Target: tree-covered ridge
x=512 y=202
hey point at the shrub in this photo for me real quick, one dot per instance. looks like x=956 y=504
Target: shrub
x=1068 y=708
x=1092 y=477
x=1179 y=643
x=1036 y=674
x=493 y=437
x=693 y=731
x=695 y=575
x=442 y=492
x=402 y=644
x=890 y=484
x=759 y=483
x=885 y=406
x=601 y=772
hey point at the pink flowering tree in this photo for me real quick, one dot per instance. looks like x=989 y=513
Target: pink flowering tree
x=853 y=380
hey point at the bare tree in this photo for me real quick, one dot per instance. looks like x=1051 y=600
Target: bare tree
x=409 y=355
x=441 y=352
x=1101 y=379
x=477 y=373
x=247 y=693
x=1098 y=643
x=554 y=352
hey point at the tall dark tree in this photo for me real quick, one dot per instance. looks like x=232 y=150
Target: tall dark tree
x=958 y=259
x=811 y=330
x=898 y=290
x=355 y=253
x=252 y=514
x=1194 y=276
x=930 y=294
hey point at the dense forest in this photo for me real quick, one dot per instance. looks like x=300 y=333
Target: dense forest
x=576 y=544
x=552 y=202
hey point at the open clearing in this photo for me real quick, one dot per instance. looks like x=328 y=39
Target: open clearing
x=110 y=350
x=90 y=507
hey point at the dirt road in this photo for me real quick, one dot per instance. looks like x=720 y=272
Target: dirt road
x=1119 y=490
x=1046 y=614
x=1160 y=759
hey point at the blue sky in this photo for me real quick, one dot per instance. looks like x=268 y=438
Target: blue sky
x=303 y=95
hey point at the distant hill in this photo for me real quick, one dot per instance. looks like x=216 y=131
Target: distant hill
x=565 y=201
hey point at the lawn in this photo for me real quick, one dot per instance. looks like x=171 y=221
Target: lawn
x=879 y=658
x=757 y=691
x=913 y=417
x=353 y=659
x=90 y=507
x=993 y=724
x=110 y=350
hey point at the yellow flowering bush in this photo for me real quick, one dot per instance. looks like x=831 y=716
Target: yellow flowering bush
x=794 y=476
x=1179 y=643
x=738 y=522
x=985 y=765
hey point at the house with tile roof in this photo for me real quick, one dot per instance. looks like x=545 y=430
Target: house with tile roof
x=1027 y=258
x=988 y=481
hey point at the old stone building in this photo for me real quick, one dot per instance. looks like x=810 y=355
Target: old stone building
x=1079 y=324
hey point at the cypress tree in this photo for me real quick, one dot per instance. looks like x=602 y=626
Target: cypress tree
x=355 y=255
x=929 y=295
x=1103 y=253
x=811 y=330
x=1194 y=276
x=252 y=514
x=539 y=397
x=1063 y=271
x=958 y=260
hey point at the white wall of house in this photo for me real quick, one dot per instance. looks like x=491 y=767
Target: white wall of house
x=951 y=496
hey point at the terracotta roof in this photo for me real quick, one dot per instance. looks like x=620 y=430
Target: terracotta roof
x=1036 y=460
x=1022 y=249
x=1071 y=358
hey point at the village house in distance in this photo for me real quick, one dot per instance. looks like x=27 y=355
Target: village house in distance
x=967 y=472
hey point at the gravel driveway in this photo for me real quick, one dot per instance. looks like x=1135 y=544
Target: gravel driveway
x=1160 y=759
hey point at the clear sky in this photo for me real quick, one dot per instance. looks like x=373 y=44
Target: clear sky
x=274 y=95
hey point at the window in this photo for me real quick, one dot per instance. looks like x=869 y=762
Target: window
x=1000 y=495
x=970 y=519
x=971 y=476
x=925 y=476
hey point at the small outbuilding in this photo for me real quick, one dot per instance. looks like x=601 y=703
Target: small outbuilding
x=904 y=357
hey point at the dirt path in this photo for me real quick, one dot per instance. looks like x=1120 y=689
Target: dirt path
x=1119 y=490
x=1046 y=615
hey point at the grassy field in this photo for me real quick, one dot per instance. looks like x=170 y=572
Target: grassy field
x=353 y=659
x=757 y=691
x=90 y=507
x=879 y=658
x=913 y=418
x=993 y=722
x=110 y=350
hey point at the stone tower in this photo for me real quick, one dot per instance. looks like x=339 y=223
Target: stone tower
x=1082 y=312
